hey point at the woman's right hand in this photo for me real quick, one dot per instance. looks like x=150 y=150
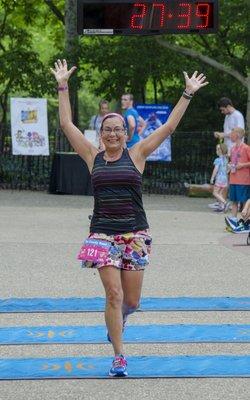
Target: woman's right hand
x=61 y=72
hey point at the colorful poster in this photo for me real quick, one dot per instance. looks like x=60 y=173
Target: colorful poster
x=155 y=115
x=29 y=126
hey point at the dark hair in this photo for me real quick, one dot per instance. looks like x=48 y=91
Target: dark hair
x=224 y=102
x=131 y=97
x=103 y=102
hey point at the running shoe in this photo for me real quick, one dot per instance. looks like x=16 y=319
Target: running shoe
x=241 y=228
x=231 y=222
x=219 y=209
x=119 y=366
x=214 y=205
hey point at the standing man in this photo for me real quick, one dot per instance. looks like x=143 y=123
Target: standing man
x=96 y=120
x=134 y=122
x=233 y=119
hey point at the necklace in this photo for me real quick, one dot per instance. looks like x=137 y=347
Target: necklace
x=111 y=158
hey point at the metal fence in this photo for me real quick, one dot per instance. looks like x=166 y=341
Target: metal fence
x=192 y=155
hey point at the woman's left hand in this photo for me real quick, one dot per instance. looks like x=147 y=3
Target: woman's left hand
x=195 y=82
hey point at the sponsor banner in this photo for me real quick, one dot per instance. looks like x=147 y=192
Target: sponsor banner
x=155 y=115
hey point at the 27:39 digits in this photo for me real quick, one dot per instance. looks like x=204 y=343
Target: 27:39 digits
x=178 y=15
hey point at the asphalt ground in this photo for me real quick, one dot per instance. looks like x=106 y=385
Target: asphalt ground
x=40 y=235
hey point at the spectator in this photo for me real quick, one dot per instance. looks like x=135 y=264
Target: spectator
x=239 y=180
x=220 y=177
x=233 y=119
x=132 y=119
x=96 y=120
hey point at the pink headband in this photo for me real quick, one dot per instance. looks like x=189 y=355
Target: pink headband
x=110 y=115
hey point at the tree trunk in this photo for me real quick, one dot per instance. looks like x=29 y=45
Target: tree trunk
x=162 y=91
x=72 y=51
x=143 y=95
x=155 y=90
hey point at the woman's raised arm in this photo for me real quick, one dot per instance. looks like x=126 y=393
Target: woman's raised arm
x=77 y=140
x=146 y=146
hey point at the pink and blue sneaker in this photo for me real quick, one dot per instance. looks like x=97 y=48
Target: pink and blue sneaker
x=119 y=367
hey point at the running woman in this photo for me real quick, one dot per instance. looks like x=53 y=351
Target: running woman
x=119 y=241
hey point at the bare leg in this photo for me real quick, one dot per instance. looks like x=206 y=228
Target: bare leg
x=225 y=192
x=132 y=285
x=246 y=211
x=111 y=279
x=218 y=194
x=235 y=209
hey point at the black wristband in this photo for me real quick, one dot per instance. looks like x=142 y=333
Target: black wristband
x=187 y=95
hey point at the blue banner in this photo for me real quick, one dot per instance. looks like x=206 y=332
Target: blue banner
x=225 y=333
x=155 y=115
x=217 y=366
x=94 y=304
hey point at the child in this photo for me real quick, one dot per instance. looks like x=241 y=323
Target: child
x=239 y=180
x=220 y=177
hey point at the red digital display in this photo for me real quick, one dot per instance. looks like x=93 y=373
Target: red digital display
x=203 y=12
x=189 y=14
x=147 y=17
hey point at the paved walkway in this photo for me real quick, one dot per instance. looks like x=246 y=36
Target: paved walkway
x=40 y=235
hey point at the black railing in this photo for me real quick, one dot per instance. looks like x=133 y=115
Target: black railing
x=192 y=155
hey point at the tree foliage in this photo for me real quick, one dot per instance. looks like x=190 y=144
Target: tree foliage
x=227 y=52
x=33 y=33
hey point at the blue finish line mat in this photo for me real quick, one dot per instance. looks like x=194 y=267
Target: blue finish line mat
x=74 y=304
x=133 y=334
x=215 y=366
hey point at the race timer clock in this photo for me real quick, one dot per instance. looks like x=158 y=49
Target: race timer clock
x=114 y=17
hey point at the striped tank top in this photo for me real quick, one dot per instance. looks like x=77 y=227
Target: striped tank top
x=117 y=190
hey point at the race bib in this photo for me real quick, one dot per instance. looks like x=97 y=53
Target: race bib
x=94 y=250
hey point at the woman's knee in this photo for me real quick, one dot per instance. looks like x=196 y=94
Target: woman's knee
x=114 y=296
x=131 y=304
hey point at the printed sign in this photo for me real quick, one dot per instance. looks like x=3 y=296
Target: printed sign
x=155 y=115
x=29 y=126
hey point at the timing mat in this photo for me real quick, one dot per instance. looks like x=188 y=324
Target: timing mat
x=133 y=334
x=74 y=304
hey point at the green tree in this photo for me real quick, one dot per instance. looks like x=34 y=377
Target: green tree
x=226 y=52
x=72 y=51
x=20 y=67
x=128 y=64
